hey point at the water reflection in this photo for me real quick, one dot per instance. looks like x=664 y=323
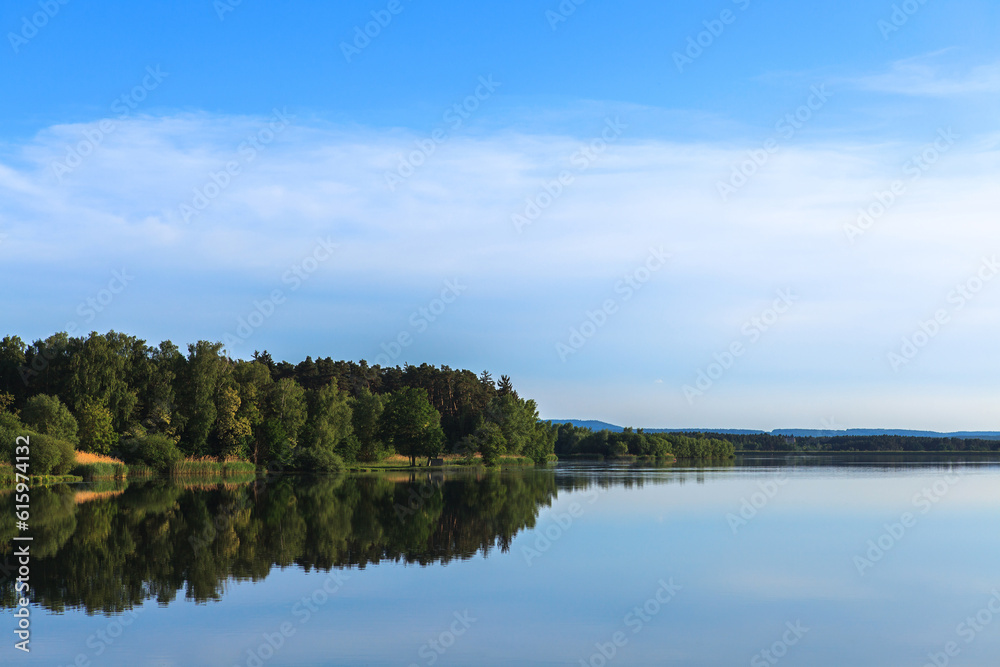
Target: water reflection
x=108 y=550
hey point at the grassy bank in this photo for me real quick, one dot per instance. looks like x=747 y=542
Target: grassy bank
x=7 y=479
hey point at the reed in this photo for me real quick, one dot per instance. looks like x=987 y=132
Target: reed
x=209 y=466
x=97 y=466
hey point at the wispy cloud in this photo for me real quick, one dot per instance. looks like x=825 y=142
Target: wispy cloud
x=928 y=76
x=452 y=219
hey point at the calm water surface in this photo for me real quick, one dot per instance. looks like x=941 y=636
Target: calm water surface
x=793 y=561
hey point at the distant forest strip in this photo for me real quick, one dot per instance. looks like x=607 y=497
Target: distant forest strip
x=766 y=442
x=582 y=442
x=152 y=405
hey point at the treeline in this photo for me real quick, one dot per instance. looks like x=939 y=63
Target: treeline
x=583 y=442
x=114 y=394
x=765 y=442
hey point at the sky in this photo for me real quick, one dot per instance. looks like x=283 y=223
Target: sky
x=725 y=214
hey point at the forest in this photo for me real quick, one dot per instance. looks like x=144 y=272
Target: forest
x=766 y=442
x=580 y=442
x=114 y=394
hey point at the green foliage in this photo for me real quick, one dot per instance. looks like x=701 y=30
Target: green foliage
x=366 y=411
x=492 y=444
x=103 y=369
x=412 y=425
x=13 y=368
x=275 y=445
x=211 y=468
x=10 y=429
x=50 y=455
x=6 y=401
x=156 y=451
x=46 y=414
x=200 y=380
x=576 y=441
x=286 y=402
x=316 y=459
x=100 y=470
x=238 y=467
x=252 y=382
x=96 y=431
x=540 y=446
x=516 y=419
x=211 y=405
x=328 y=424
x=232 y=432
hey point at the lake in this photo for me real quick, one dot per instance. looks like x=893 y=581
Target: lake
x=796 y=560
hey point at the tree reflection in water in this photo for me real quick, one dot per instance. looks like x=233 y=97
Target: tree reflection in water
x=107 y=551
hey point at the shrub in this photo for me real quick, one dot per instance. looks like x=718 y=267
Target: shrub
x=156 y=451
x=50 y=456
x=315 y=459
x=48 y=416
x=492 y=444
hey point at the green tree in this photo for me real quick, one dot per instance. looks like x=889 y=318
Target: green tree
x=328 y=426
x=12 y=366
x=96 y=428
x=99 y=368
x=47 y=414
x=233 y=432
x=366 y=411
x=157 y=396
x=412 y=425
x=285 y=414
x=253 y=380
x=516 y=418
x=198 y=386
x=541 y=442
x=492 y=444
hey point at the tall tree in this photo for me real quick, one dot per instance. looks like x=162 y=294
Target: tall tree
x=283 y=419
x=13 y=367
x=198 y=386
x=232 y=431
x=366 y=411
x=412 y=425
x=97 y=432
x=329 y=423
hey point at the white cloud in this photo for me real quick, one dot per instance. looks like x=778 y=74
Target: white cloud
x=452 y=218
x=927 y=75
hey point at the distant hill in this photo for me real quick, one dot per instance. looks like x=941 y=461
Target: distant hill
x=796 y=432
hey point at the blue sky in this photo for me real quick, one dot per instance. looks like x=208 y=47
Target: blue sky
x=635 y=227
